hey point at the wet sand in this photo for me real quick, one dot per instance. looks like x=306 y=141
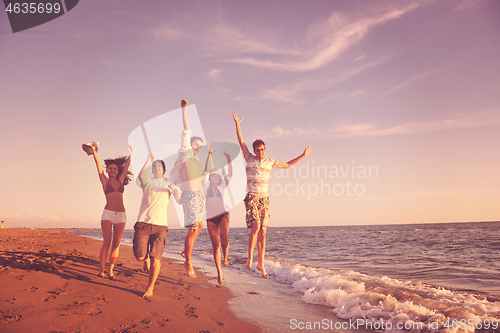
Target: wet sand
x=50 y=284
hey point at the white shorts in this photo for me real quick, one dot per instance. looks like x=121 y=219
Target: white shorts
x=113 y=217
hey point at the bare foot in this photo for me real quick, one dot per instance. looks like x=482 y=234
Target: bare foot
x=183 y=254
x=145 y=266
x=148 y=294
x=225 y=263
x=189 y=269
x=219 y=279
x=263 y=271
x=249 y=263
x=101 y=274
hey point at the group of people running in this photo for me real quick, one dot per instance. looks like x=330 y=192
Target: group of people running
x=201 y=194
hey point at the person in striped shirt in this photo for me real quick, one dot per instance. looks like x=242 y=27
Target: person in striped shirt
x=258 y=170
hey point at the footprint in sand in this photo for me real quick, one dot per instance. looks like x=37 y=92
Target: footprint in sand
x=190 y=312
x=94 y=312
x=11 y=300
x=11 y=318
x=161 y=322
x=57 y=292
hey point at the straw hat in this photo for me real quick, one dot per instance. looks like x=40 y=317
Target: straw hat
x=87 y=147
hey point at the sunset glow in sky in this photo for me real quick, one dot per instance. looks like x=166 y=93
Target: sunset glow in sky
x=399 y=100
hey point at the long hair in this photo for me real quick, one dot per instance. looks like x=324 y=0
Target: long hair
x=120 y=163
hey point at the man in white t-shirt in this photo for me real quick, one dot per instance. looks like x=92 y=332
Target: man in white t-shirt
x=152 y=227
x=258 y=170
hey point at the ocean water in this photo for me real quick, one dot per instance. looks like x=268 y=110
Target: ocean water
x=382 y=278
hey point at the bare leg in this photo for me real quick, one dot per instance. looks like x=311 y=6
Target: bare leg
x=146 y=263
x=213 y=232
x=153 y=276
x=106 y=242
x=252 y=240
x=224 y=239
x=115 y=247
x=188 y=248
x=261 y=248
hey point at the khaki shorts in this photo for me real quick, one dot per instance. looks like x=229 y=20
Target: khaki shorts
x=149 y=239
x=257 y=210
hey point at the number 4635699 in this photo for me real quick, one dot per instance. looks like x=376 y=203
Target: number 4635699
x=33 y=8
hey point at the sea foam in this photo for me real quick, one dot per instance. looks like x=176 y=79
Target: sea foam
x=353 y=295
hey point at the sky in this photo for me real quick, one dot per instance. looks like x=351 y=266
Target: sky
x=399 y=100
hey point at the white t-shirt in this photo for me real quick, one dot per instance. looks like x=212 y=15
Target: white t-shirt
x=154 y=204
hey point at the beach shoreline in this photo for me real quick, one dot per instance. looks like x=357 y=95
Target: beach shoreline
x=49 y=281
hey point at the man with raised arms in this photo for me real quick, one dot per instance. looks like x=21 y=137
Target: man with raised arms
x=258 y=170
x=187 y=172
x=152 y=227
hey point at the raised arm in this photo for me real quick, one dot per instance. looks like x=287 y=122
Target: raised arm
x=143 y=173
x=209 y=158
x=291 y=163
x=229 y=164
x=176 y=192
x=185 y=119
x=100 y=171
x=124 y=172
x=242 y=143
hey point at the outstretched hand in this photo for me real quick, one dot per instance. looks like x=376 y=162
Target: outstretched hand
x=184 y=103
x=236 y=119
x=212 y=150
x=226 y=153
x=151 y=158
x=94 y=147
x=307 y=151
x=132 y=150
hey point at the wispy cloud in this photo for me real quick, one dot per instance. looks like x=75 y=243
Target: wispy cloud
x=165 y=31
x=228 y=40
x=214 y=73
x=326 y=41
x=372 y=130
x=108 y=62
x=34 y=220
x=416 y=78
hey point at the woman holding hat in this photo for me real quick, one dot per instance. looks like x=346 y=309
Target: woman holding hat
x=113 y=218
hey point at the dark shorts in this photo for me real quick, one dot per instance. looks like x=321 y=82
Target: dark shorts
x=257 y=210
x=192 y=203
x=217 y=219
x=149 y=239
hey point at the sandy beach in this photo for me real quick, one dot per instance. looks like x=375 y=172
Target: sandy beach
x=50 y=284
